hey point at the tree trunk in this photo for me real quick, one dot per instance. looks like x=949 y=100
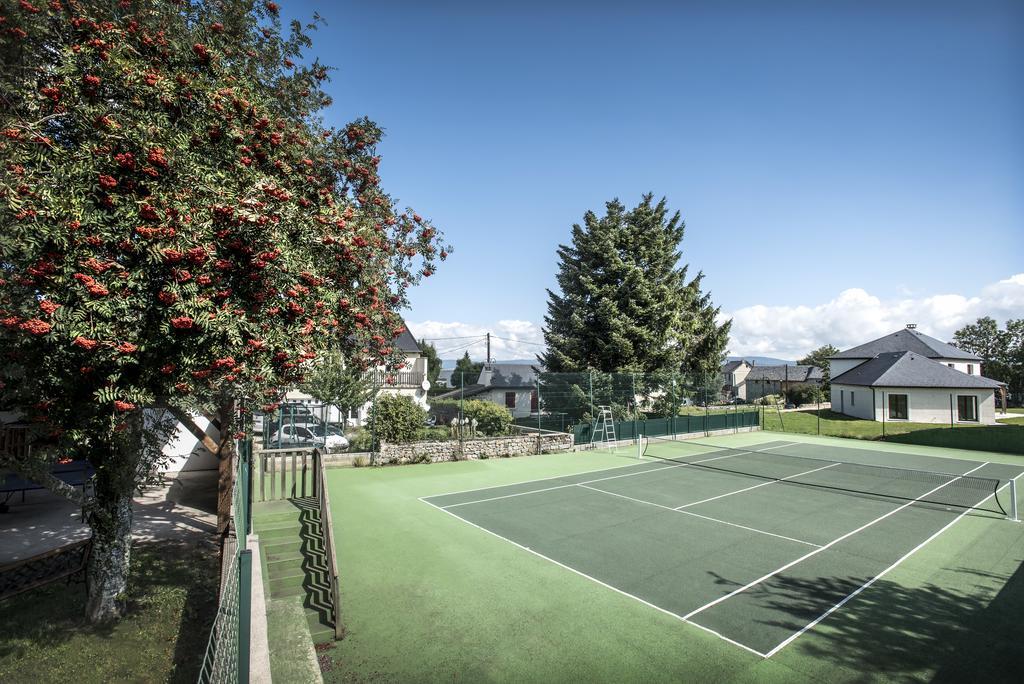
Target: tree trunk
x=107 y=574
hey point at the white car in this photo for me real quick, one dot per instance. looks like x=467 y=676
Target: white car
x=308 y=435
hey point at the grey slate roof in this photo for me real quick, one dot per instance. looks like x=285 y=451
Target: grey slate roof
x=513 y=375
x=907 y=340
x=784 y=373
x=907 y=369
x=731 y=366
x=407 y=343
x=467 y=392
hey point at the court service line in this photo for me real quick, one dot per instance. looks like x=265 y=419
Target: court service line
x=704 y=517
x=574 y=484
x=747 y=489
x=877 y=577
x=597 y=581
x=826 y=546
x=593 y=472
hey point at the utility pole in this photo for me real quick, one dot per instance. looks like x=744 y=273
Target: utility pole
x=488 y=347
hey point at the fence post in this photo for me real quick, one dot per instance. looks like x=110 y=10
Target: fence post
x=244 y=613
x=636 y=406
x=537 y=382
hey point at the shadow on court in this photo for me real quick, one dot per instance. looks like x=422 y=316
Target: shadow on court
x=894 y=631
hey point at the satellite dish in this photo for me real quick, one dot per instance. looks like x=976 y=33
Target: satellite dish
x=425 y=385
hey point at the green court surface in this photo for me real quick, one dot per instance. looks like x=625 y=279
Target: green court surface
x=732 y=559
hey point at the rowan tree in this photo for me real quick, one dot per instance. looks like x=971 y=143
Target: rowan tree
x=179 y=229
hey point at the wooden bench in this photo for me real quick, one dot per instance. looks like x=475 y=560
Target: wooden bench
x=67 y=562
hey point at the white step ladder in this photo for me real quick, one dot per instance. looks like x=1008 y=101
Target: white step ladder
x=604 y=425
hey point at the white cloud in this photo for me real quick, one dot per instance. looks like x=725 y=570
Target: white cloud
x=852 y=317
x=856 y=316
x=510 y=339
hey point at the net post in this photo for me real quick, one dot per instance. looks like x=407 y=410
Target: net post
x=640 y=446
x=1013 y=501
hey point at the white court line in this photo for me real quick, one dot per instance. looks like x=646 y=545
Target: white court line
x=826 y=546
x=574 y=484
x=597 y=581
x=704 y=517
x=747 y=489
x=877 y=577
x=591 y=472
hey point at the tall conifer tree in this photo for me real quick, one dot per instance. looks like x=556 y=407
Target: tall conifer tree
x=625 y=303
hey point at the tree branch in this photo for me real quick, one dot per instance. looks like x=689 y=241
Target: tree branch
x=208 y=442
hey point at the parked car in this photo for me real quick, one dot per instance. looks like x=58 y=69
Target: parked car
x=327 y=436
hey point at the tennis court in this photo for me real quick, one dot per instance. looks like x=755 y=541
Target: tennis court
x=756 y=544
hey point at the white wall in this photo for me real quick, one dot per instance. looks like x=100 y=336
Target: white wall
x=184 y=450
x=962 y=365
x=859 y=406
x=837 y=367
x=497 y=396
x=924 y=405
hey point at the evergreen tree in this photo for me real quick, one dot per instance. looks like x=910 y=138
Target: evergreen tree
x=624 y=303
x=466 y=371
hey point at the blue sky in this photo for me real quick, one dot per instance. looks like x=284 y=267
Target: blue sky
x=814 y=149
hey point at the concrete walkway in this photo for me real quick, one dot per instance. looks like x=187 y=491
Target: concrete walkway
x=183 y=508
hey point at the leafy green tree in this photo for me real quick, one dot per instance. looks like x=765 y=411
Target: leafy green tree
x=433 y=362
x=624 y=303
x=466 y=371
x=1001 y=351
x=179 y=229
x=820 y=358
x=396 y=418
x=339 y=384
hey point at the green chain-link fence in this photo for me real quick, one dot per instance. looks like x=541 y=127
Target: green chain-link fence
x=227 y=651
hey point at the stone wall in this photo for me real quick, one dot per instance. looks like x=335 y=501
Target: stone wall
x=478 y=447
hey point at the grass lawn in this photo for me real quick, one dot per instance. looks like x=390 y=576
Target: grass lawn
x=1008 y=438
x=427 y=597
x=44 y=636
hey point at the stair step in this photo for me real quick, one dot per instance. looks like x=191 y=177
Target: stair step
x=279 y=533
x=285 y=555
x=283 y=584
x=287 y=591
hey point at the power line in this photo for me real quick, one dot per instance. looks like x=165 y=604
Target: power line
x=509 y=339
x=440 y=339
x=460 y=347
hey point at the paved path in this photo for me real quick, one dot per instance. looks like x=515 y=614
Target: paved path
x=184 y=508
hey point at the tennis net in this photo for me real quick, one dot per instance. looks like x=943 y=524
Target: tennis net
x=943 y=489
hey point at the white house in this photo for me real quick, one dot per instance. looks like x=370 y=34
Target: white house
x=411 y=381
x=512 y=385
x=909 y=376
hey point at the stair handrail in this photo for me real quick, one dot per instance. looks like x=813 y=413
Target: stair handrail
x=327 y=531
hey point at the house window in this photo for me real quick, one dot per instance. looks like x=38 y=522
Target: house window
x=967 y=408
x=533 y=401
x=510 y=400
x=970 y=369
x=897 y=407
x=853 y=398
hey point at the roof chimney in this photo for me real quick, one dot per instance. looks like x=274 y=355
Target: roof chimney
x=911 y=326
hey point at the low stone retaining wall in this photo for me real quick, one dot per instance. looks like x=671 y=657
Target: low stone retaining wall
x=478 y=447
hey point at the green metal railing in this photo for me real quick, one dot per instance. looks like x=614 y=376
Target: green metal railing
x=227 y=651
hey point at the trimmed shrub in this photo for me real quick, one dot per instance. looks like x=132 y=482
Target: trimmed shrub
x=396 y=419
x=361 y=461
x=805 y=394
x=492 y=420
